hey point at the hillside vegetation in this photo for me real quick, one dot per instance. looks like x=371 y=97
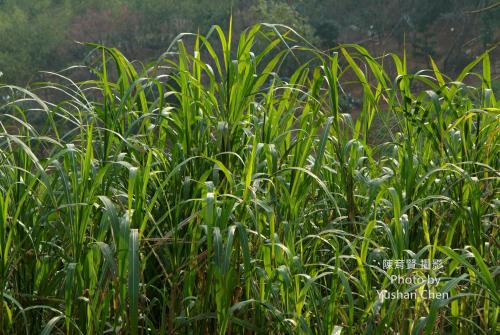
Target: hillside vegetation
x=41 y=35
x=208 y=194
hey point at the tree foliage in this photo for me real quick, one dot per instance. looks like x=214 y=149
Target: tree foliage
x=40 y=35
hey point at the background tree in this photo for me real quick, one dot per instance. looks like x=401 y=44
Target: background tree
x=40 y=35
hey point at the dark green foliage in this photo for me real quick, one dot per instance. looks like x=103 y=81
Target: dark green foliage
x=41 y=35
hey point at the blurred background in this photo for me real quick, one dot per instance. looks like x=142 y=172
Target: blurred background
x=40 y=35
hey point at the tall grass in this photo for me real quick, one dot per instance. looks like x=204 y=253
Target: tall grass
x=206 y=193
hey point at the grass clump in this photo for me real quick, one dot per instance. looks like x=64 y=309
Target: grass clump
x=207 y=194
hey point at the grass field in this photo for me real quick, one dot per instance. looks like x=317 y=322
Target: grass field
x=208 y=194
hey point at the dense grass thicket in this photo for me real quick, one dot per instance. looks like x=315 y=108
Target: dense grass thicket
x=208 y=194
